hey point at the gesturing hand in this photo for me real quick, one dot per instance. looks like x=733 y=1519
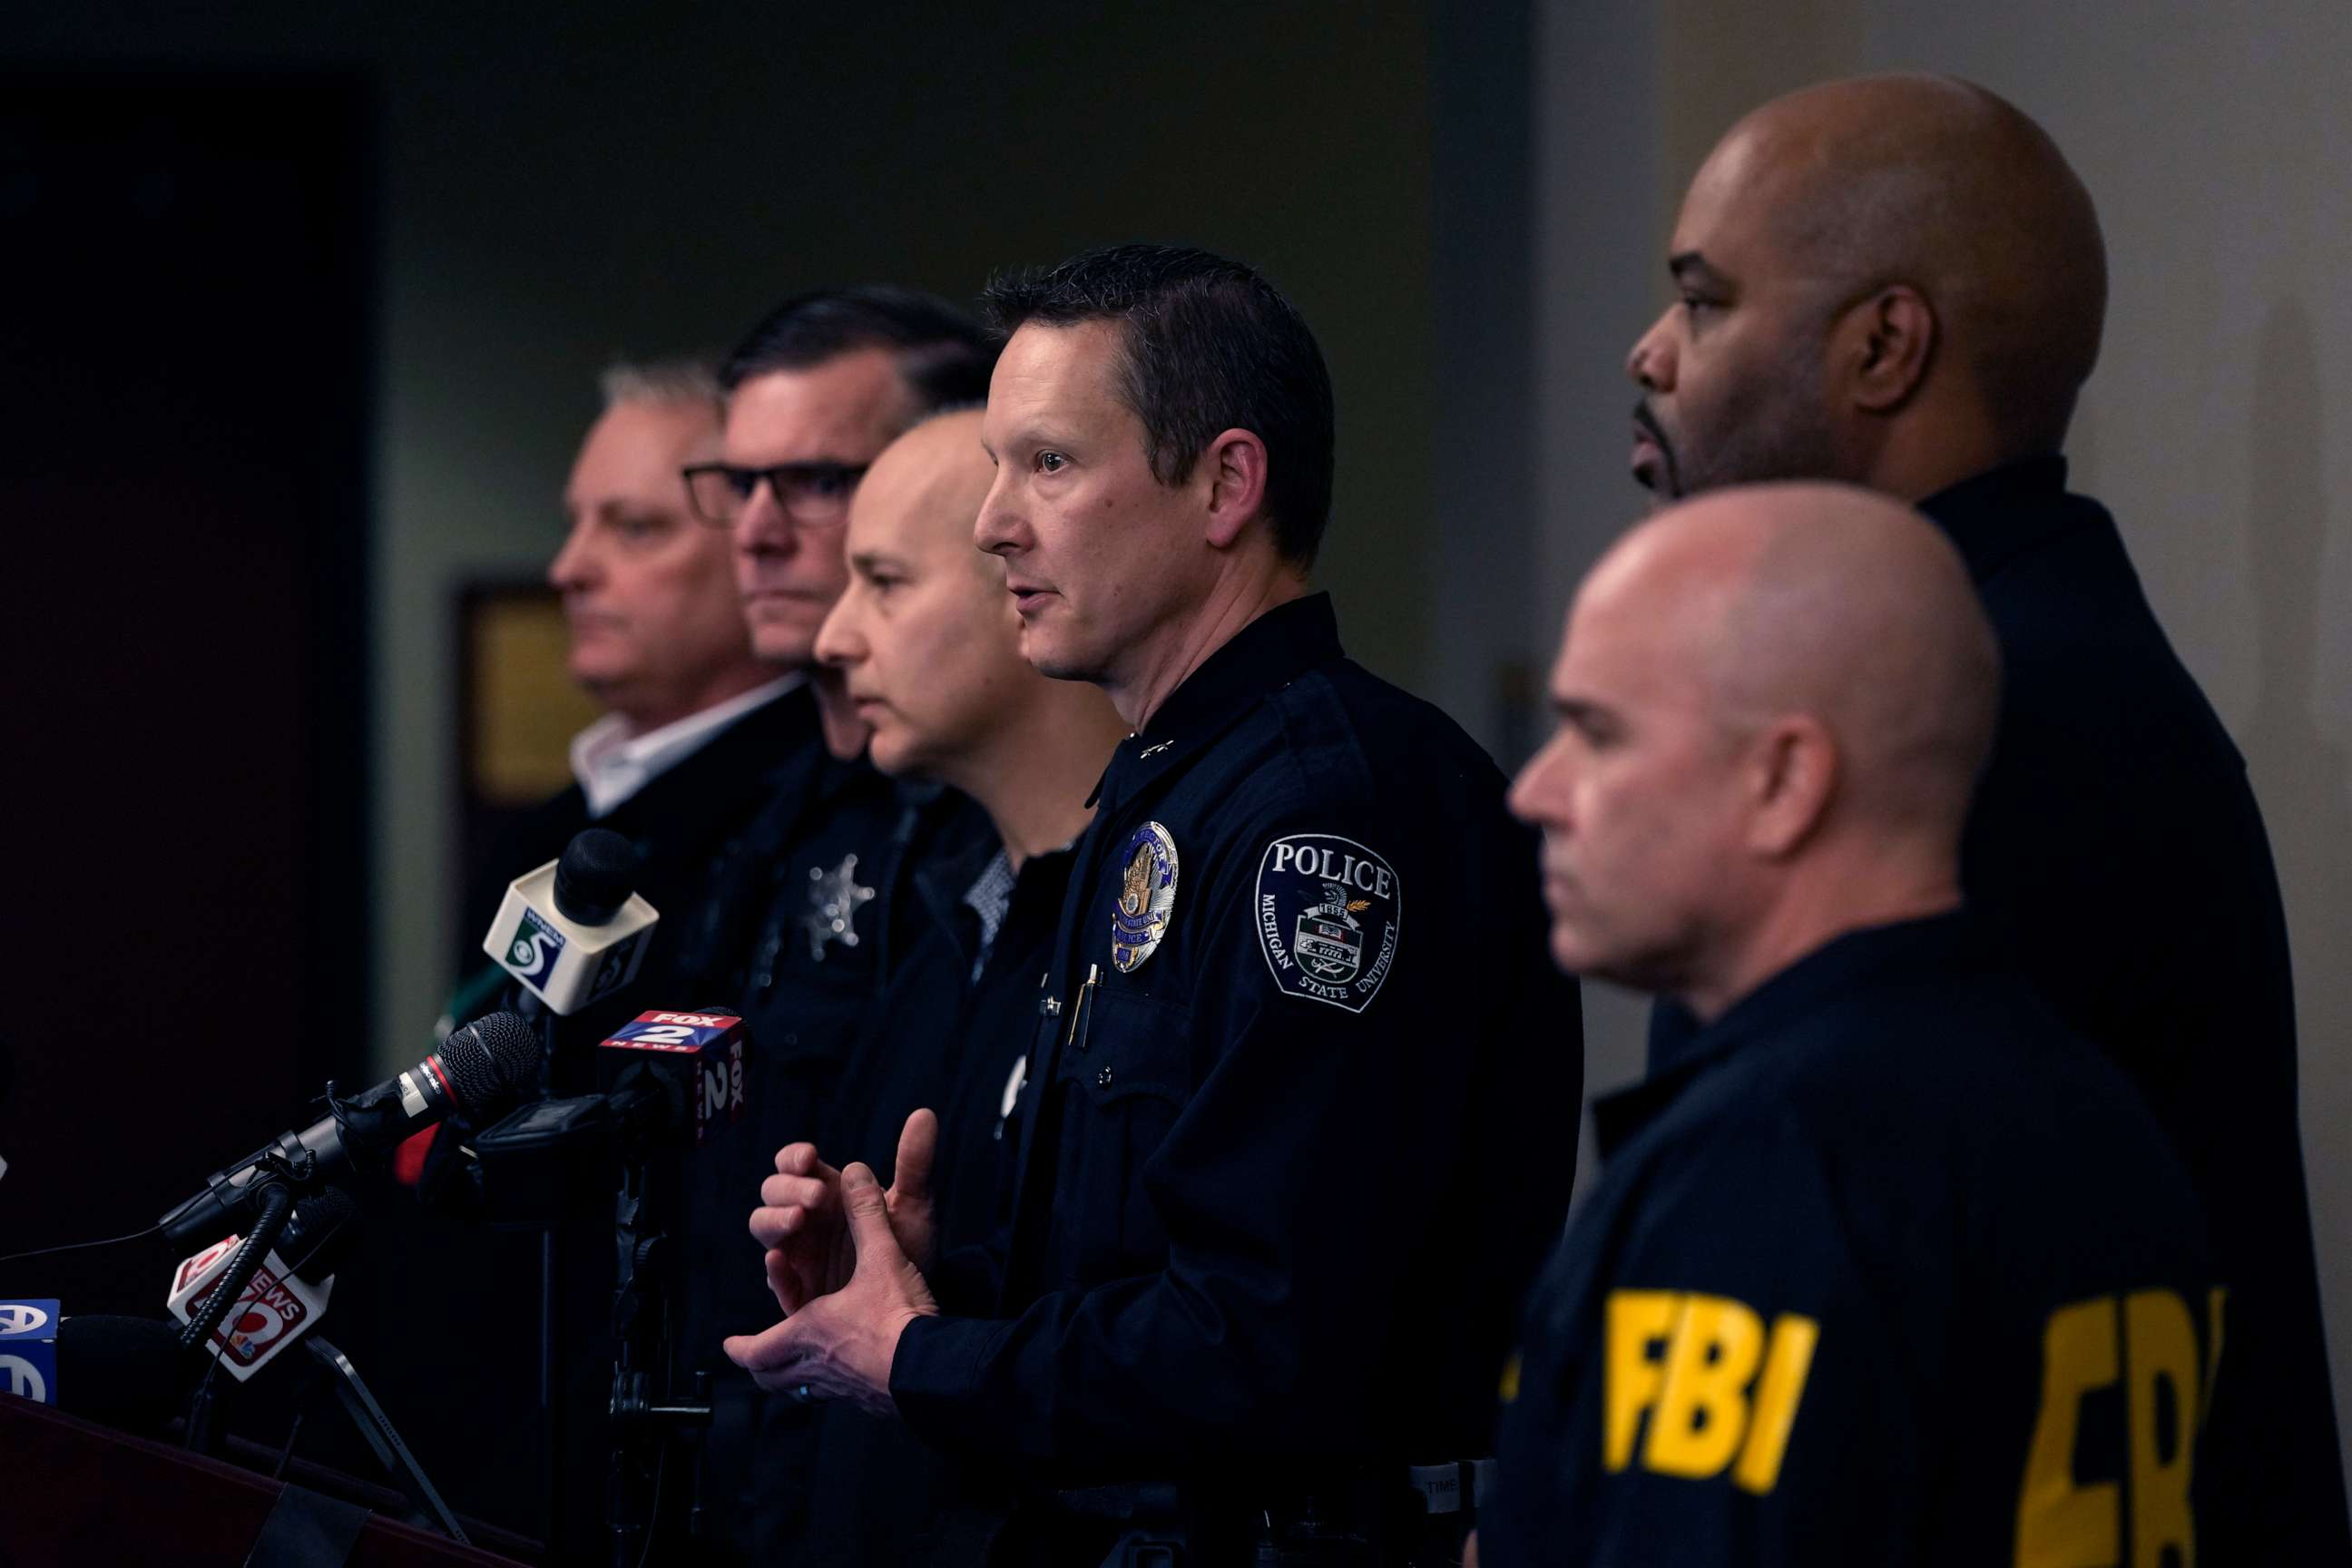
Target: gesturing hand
x=800 y=1221
x=840 y=1345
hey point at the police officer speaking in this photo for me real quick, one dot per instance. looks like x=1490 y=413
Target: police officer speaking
x=1884 y=1264
x=1298 y=1121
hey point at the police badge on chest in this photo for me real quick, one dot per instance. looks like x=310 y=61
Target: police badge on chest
x=1327 y=911
x=1146 y=895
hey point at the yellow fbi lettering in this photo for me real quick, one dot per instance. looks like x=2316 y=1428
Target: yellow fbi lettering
x=2148 y=1341
x=1719 y=1390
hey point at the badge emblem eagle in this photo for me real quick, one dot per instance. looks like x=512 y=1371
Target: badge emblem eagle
x=834 y=899
x=1328 y=939
x=1146 y=895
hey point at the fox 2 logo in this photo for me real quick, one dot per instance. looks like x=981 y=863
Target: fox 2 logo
x=532 y=950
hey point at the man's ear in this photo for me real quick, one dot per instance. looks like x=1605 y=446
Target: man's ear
x=1883 y=345
x=1792 y=776
x=1234 y=466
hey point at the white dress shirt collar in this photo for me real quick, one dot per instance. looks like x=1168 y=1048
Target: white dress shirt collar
x=612 y=765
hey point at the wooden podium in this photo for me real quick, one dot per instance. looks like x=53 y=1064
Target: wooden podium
x=79 y=1495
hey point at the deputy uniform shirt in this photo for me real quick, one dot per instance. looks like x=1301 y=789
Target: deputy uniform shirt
x=1884 y=1267
x=951 y=1039
x=950 y=1031
x=801 y=917
x=1300 y=1105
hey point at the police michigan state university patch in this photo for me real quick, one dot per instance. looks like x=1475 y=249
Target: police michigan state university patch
x=1327 y=918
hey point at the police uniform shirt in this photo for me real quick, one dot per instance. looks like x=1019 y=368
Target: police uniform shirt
x=1300 y=1108
x=1884 y=1267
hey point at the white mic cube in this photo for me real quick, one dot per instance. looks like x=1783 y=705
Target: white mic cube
x=565 y=964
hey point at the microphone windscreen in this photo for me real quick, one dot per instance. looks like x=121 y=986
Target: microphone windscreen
x=594 y=878
x=123 y=1371
x=489 y=1061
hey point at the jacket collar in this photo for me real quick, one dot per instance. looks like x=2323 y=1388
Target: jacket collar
x=1806 y=988
x=1260 y=659
x=1993 y=517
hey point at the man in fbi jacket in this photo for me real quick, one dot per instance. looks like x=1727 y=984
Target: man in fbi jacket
x=1884 y=1265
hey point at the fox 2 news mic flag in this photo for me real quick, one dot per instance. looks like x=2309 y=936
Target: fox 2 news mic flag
x=28 y=1350
x=277 y=1308
x=697 y=1061
x=551 y=943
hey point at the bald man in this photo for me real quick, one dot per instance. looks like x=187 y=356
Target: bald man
x=927 y=646
x=1884 y=1264
x=1898 y=282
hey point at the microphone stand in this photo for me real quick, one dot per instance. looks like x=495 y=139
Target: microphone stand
x=649 y=1422
x=552 y=1398
x=272 y=1193
x=335 y=1370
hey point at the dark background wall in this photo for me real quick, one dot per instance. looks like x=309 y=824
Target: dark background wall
x=560 y=185
x=187 y=783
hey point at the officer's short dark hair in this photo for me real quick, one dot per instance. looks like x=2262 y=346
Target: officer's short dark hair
x=1210 y=346
x=944 y=353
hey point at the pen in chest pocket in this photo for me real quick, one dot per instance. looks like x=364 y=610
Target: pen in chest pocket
x=1081 y=1014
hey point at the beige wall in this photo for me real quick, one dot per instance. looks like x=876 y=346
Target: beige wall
x=2217 y=142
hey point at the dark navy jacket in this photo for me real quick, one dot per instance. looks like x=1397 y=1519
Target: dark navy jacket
x=2116 y=841
x=797 y=916
x=1284 y=1174
x=1885 y=1267
x=943 y=1040
x=821 y=848
x=688 y=824
x=2117 y=847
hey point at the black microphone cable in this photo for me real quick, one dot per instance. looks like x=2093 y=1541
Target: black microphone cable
x=80 y=1246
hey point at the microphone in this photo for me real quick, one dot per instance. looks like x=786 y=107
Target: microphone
x=28 y=1349
x=480 y=1069
x=678 y=1077
x=122 y=1372
x=664 y=1079
x=572 y=931
x=276 y=1308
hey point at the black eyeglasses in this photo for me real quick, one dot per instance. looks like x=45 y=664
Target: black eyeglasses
x=809 y=495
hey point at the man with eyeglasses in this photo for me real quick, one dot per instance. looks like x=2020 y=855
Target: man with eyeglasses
x=691 y=714
x=815 y=392
x=694 y=721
